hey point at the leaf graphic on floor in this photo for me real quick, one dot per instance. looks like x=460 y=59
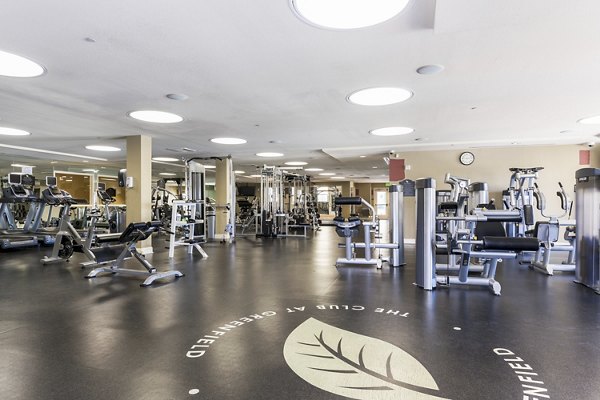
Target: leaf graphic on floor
x=356 y=366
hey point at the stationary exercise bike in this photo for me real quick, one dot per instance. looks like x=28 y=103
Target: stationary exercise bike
x=68 y=239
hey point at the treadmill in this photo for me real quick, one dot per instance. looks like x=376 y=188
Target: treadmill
x=16 y=192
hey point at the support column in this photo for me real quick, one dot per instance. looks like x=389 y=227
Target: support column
x=139 y=197
x=223 y=194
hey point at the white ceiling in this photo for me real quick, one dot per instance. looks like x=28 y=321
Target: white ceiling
x=515 y=71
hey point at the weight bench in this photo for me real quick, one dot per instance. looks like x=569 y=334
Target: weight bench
x=135 y=232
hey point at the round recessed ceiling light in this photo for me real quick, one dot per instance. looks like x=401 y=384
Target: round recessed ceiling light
x=18 y=67
x=338 y=177
x=347 y=14
x=98 y=147
x=430 y=69
x=228 y=140
x=392 y=131
x=165 y=159
x=363 y=156
x=313 y=169
x=177 y=96
x=590 y=120
x=268 y=154
x=159 y=117
x=381 y=96
x=295 y=163
x=13 y=132
x=239 y=172
x=327 y=173
x=167 y=174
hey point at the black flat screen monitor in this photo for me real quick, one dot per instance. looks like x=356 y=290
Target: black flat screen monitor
x=51 y=181
x=14 y=179
x=246 y=191
x=101 y=186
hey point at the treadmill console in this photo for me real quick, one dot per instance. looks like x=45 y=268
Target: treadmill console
x=103 y=194
x=20 y=187
x=52 y=195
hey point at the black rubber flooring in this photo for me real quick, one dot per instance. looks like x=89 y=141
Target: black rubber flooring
x=274 y=319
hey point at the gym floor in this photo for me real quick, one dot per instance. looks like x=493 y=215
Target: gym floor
x=274 y=319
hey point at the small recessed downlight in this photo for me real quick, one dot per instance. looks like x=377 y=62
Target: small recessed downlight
x=228 y=140
x=590 y=120
x=327 y=173
x=255 y=176
x=392 y=131
x=98 y=147
x=177 y=96
x=13 y=132
x=159 y=117
x=313 y=169
x=380 y=96
x=165 y=159
x=430 y=69
x=347 y=14
x=167 y=174
x=268 y=154
x=295 y=163
x=363 y=156
x=210 y=167
x=18 y=67
x=239 y=172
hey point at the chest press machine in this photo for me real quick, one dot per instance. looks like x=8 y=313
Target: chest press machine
x=548 y=231
x=484 y=238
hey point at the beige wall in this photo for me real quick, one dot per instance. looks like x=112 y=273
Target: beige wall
x=596 y=157
x=78 y=185
x=491 y=165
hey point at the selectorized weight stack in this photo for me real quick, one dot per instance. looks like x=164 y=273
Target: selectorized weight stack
x=587 y=188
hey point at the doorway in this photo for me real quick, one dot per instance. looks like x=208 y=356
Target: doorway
x=381 y=202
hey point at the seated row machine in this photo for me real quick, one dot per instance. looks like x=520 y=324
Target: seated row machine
x=486 y=241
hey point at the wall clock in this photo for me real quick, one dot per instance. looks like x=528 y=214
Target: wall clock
x=466 y=158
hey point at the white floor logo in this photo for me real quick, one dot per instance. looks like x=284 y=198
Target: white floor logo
x=348 y=364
